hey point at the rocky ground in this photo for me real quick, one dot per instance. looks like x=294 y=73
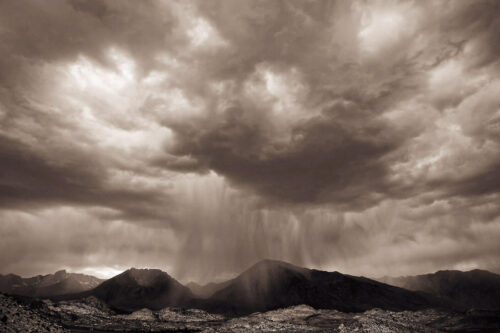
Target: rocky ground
x=18 y=317
x=90 y=314
x=303 y=318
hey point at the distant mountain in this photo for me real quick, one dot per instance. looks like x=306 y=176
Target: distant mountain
x=207 y=290
x=269 y=285
x=59 y=283
x=136 y=289
x=273 y=284
x=473 y=289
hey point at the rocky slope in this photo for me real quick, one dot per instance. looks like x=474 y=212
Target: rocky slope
x=18 y=317
x=91 y=314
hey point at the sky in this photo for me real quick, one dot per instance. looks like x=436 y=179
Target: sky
x=199 y=137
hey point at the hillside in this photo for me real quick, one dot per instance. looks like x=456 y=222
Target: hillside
x=135 y=289
x=473 y=289
x=274 y=284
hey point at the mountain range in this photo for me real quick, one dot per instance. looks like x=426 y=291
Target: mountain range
x=473 y=289
x=59 y=283
x=272 y=284
x=269 y=285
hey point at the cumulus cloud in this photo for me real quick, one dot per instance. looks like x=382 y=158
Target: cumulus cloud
x=332 y=134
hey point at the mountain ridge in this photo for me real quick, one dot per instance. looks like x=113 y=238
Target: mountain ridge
x=266 y=285
x=272 y=284
x=61 y=282
x=471 y=289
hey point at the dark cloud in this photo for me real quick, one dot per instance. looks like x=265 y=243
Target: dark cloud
x=344 y=155
x=328 y=159
x=62 y=30
x=46 y=157
x=29 y=180
x=350 y=135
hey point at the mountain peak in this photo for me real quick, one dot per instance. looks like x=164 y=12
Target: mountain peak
x=60 y=274
x=133 y=269
x=138 y=288
x=146 y=276
x=271 y=264
x=271 y=284
x=144 y=271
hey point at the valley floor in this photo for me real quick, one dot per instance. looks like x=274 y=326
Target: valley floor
x=24 y=315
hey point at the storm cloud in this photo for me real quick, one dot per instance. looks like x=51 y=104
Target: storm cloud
x=200 y=137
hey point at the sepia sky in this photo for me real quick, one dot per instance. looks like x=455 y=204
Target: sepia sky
x=199 y=137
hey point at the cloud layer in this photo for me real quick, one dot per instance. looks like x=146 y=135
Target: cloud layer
x=200 y=136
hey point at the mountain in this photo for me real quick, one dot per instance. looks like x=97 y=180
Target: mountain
x=207 y=290
x=269 y=285
x=59 y=283
x=272 y=284
x=136 y=289
x=473 y=289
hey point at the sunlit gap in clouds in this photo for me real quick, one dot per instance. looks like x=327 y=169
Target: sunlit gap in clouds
x=101 y=272
x=89 y=75
x=383 y=25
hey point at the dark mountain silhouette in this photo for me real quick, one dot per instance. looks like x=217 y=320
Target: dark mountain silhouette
x=273 y=284
x=207 y=290
x=10 y=283
x=59 y=283
x=473 y=289
x=136 y=289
